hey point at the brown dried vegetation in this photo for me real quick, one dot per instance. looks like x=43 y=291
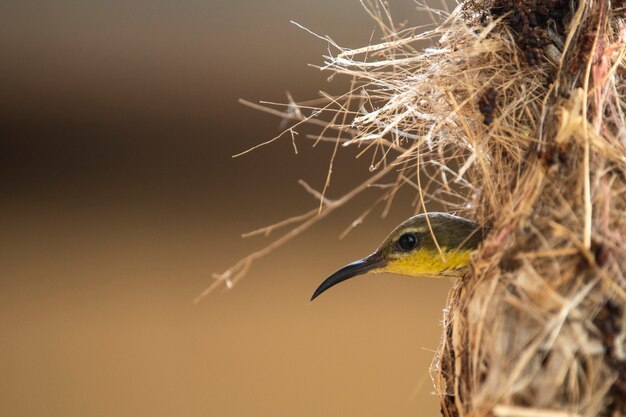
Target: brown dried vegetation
x=538 y=327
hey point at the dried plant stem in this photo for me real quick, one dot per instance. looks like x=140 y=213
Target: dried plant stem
x=237 y=271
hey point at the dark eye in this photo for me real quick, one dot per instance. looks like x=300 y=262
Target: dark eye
x=407 y=242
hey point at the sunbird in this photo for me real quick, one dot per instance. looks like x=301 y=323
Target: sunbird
x=432 y=245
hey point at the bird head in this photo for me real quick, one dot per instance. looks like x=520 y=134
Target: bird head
x=427 y=245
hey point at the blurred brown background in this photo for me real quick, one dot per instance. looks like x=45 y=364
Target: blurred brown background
x=119 y=198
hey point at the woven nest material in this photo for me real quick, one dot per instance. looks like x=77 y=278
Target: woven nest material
x=515 y=118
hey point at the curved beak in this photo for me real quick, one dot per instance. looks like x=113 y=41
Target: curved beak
x=374 y=261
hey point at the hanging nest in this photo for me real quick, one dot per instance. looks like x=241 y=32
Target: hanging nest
x=514 y=117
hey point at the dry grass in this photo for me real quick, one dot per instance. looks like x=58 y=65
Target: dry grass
x=520 y=126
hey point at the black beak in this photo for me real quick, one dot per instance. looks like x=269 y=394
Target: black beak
x=359 y=267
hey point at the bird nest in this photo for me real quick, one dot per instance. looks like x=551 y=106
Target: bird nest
x=514 y=117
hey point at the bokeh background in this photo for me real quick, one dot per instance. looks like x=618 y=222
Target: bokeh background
x=119 y=198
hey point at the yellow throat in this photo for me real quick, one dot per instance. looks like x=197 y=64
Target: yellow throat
x=430 y=263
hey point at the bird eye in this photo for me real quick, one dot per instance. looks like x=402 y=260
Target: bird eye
x=407 y=241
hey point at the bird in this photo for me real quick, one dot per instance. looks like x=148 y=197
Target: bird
x=431 y=244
